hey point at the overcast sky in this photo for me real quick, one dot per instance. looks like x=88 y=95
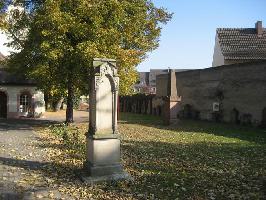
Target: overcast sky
x=187 y=41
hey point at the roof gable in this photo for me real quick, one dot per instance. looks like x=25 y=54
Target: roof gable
x=242 y=43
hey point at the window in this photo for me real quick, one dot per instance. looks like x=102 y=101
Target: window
x=24 y=103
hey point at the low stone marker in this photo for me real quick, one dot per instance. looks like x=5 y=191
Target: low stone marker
x=103 y=141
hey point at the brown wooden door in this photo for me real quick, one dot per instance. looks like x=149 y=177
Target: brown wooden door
x=3 y=105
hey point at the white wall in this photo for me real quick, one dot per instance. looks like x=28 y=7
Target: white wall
x=39 y=102
x=14 y=91
x=218 y=58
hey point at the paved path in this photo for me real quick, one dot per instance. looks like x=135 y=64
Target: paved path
x=21 y=163
x=60 y=116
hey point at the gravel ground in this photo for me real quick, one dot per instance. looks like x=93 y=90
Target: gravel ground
x=60 y=116
x=22 y=159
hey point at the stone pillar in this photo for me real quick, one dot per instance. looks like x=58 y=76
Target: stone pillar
x=103 y=141
x=171 y=101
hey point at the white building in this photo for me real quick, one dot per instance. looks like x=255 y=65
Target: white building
x=19 y=97
x=147 y=80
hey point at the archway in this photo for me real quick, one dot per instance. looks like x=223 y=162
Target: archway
x=3 y=105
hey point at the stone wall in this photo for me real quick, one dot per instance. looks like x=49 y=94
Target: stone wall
x=239 y=91
x=162 y=85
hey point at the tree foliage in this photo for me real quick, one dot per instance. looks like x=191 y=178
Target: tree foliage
x=58 y=39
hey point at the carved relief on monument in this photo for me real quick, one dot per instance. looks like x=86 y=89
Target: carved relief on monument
x=104 y=93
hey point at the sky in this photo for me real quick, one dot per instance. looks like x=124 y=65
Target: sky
x=187 y=41
x=3 y=49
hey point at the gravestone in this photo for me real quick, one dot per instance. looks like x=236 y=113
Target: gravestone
x=103 y=141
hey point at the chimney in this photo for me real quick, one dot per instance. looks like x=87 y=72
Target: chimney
x=259 y=28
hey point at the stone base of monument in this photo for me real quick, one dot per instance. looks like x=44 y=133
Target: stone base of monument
x=174 y=121
x=103 y=160
x=92 y=180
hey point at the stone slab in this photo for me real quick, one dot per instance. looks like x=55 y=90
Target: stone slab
x=91 y=180
x=104 y=170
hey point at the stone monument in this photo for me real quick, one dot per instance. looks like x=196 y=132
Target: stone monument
x=103 y=141
x=171 y=101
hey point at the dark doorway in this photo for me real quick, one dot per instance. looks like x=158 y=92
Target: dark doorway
x=3 y=105
x=159 y=110
x=263 y=121
x=187 y=111
x=235 y=116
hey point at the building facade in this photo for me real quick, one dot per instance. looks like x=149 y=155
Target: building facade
x=19 y=97
x=20 y=101
x=147 y=80
x=142 y=85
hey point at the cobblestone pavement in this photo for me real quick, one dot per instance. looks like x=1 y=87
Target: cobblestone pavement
x=21 y=163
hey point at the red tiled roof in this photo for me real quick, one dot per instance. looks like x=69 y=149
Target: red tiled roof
x=242 y=43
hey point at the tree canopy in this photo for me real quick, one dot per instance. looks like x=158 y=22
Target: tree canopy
x=56 y=40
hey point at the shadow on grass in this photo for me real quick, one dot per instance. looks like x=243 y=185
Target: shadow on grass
x=191 y=170
x=170 y=170
x=164 y=170
x=246 y=133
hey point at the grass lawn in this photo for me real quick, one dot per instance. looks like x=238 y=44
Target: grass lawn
x=190 y=160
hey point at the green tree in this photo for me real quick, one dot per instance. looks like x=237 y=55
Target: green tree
x=58 y=39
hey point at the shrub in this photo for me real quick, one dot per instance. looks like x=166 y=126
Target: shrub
x=70 y=136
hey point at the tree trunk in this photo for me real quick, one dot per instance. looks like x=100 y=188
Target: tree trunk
x=57 y=104
x=70 y=96
x=46 y=100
